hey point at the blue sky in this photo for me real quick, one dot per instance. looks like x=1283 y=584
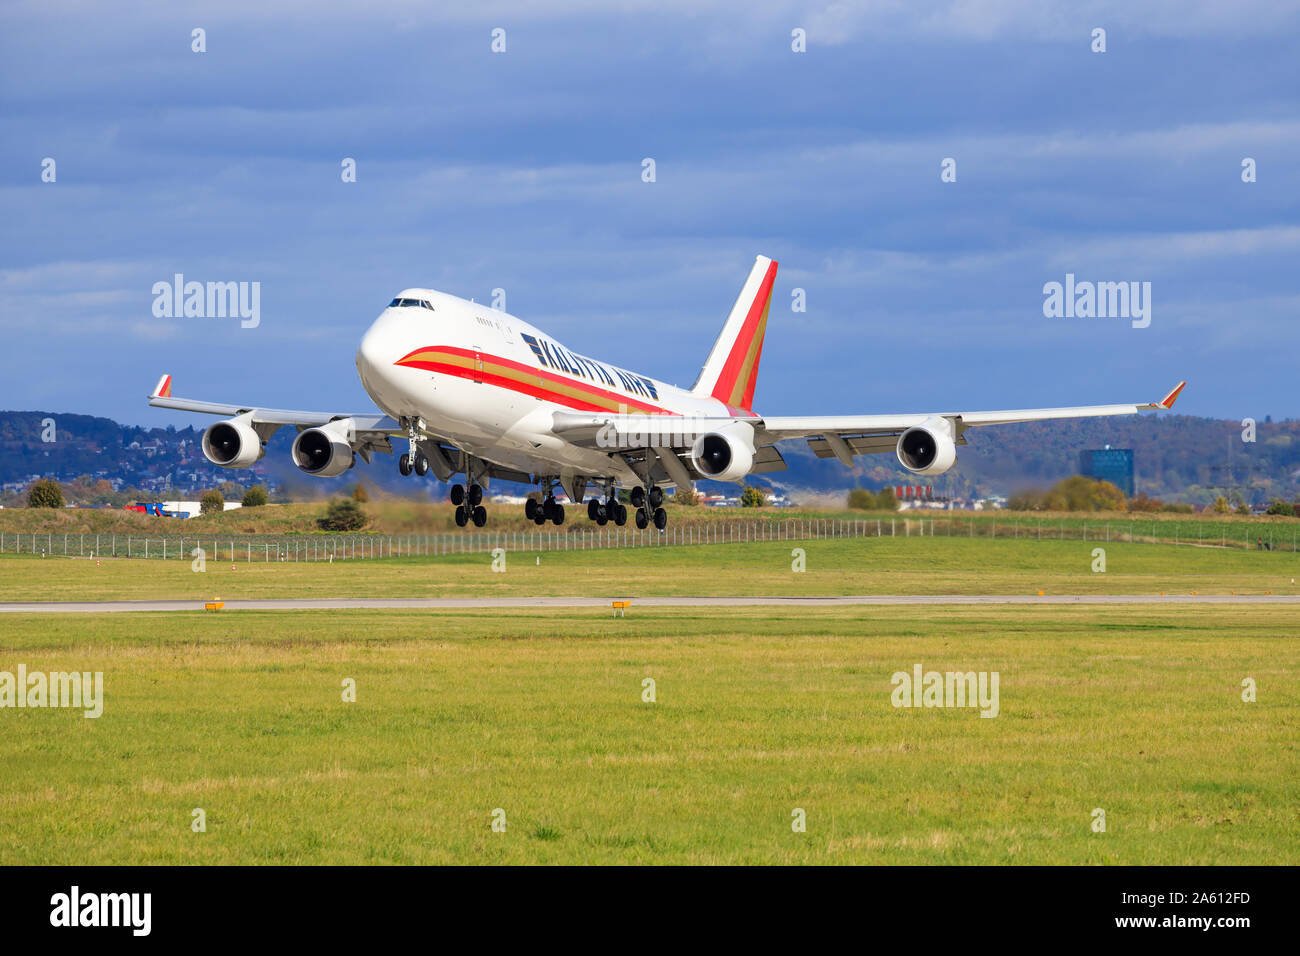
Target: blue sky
x=522 y=170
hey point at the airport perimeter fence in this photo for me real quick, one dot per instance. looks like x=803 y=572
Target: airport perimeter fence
x=338 y=547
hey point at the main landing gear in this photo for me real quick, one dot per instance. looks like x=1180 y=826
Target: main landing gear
x=647 y=504
x=608 y=510
x=469 y=507
x=548 y=509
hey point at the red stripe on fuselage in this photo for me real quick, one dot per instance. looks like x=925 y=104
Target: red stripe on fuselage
x=526 y=387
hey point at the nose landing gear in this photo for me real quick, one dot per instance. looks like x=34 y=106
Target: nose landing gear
x=409 y=463
x=413 y=459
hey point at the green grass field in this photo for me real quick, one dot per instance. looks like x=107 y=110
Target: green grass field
x=1136 y=711
x=836 y=566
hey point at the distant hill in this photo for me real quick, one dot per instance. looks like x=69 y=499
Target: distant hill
x=1178 y=457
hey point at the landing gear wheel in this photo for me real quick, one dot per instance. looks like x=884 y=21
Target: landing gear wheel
x=638 y=496
x=421 y=464
x=539 y=518
x=642 y=519
x=620 y=516
x=462 y=516
x=480 y=516
x=602 y=519
x=475 y=494
x=557 y=514
x=458 y=494
x=661 y=518
x=593 y=509
x=530 y=509
x=656 y=497
x=404 y=464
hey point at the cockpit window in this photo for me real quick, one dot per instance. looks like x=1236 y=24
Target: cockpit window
x=410 y=304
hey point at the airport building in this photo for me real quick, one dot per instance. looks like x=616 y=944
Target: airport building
x=1109 y=464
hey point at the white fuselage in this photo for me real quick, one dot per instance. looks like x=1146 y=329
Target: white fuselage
x=489 y=383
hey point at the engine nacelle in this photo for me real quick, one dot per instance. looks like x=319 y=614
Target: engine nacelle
x=325 y=451
x=928 y=448
x=232 y=444
x=725 y=455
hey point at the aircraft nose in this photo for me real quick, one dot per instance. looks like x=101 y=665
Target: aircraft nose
x=373 y=354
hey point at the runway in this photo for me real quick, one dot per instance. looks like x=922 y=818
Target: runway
x=329 y=604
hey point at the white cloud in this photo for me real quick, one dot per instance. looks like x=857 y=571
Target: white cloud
x=1055 y=20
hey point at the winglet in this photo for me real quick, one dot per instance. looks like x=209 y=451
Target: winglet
x=163 y=389
x=1168 y=401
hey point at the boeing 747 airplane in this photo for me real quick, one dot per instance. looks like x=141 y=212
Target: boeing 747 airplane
x=479 y=393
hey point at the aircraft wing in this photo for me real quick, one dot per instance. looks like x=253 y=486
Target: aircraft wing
x=372 y=428
x=844 y=436
x=838 y=436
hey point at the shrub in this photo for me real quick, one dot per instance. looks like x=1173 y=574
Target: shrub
x=862 y=499
x=359 y=493
x=45 y=494
x=753 y=497
x=1282 y=508
x=1026 y=500
x=212 y=501
x=1145 y=503
x=686 y=495
x=1076 y=493
x=343 y=514
x=255 y=497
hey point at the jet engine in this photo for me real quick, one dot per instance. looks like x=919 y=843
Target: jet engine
x=726 y=454
x=928 y=448
x=232 y=444
x=325 y=451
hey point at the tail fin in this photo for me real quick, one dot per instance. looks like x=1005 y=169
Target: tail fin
x=731 y=370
